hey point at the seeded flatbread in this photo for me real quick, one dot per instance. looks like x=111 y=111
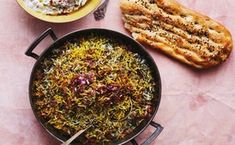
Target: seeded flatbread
x=184 y=34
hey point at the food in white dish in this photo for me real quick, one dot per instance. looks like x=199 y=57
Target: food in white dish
x=55 y=7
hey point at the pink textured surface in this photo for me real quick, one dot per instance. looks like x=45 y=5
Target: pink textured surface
x=197 y=108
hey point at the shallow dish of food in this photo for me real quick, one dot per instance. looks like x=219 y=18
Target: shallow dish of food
x=58 y=11
x=99 y=78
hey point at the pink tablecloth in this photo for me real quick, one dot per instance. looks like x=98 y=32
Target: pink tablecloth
x=197 y=108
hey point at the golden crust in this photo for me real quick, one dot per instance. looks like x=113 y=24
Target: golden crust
x=182 y=33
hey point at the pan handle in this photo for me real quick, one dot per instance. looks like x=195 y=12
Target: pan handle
x=152 y=137
x=30 y=52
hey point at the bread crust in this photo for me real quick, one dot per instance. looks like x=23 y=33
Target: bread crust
x=181 y=33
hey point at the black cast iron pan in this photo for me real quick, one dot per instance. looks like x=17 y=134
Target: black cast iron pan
x=135 y=47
